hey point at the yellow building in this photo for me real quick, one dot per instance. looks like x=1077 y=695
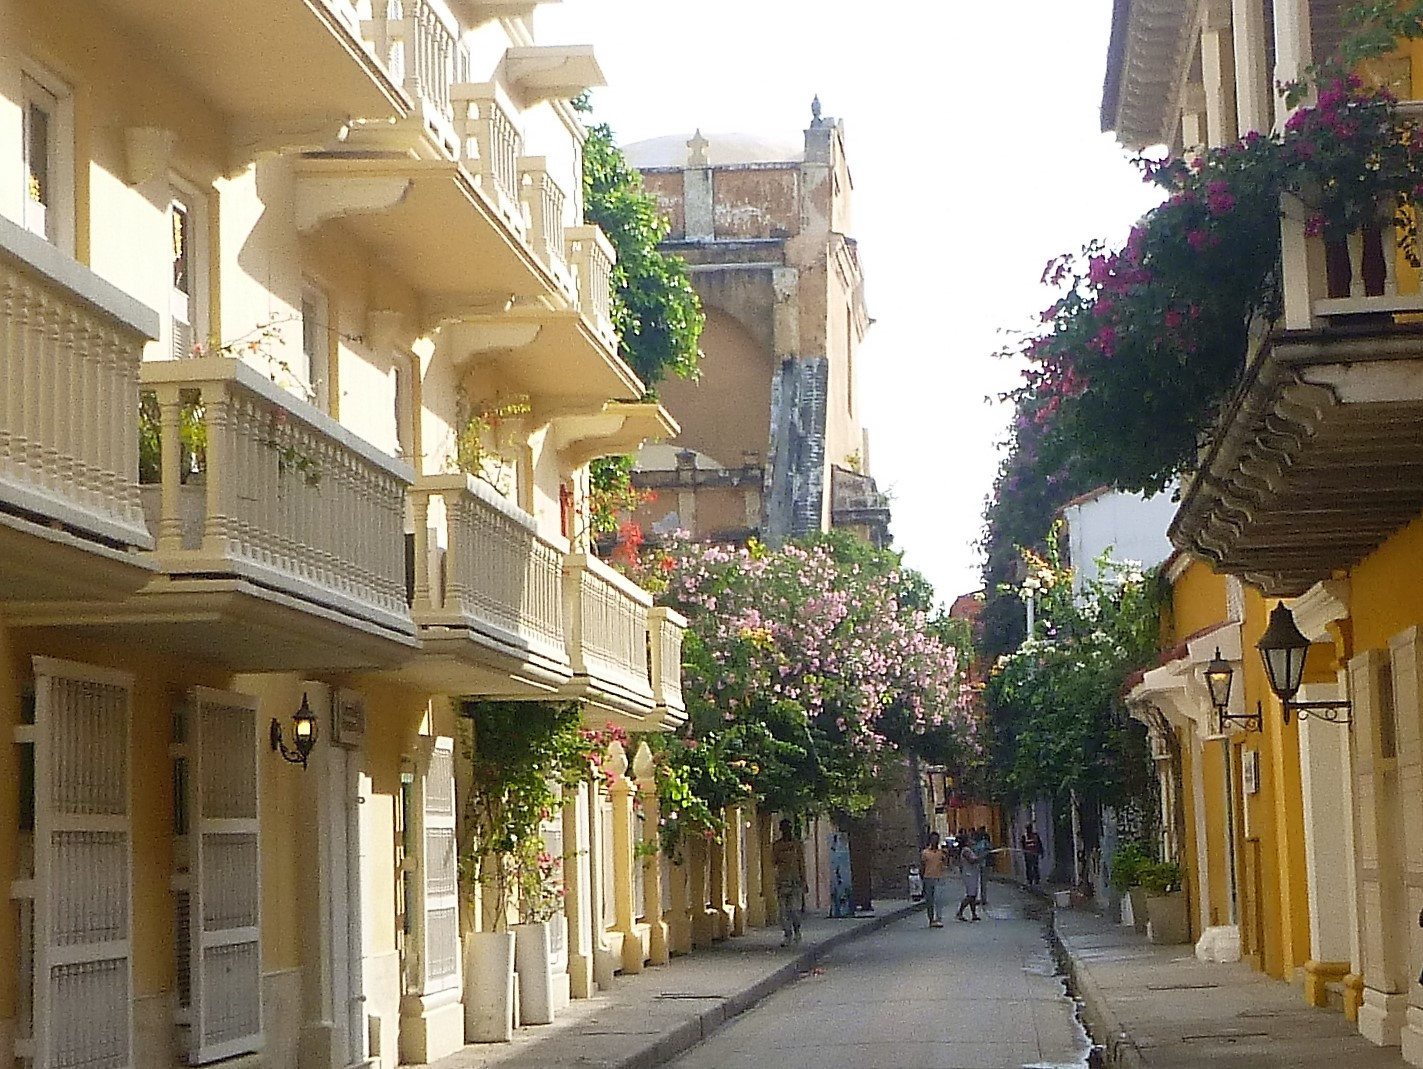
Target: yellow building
x=1309 y=493
x=306 y=350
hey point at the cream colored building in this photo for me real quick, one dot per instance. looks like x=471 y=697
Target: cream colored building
x=260 y=265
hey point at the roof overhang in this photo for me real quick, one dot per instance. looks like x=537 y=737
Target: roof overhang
x=1318 y=462
x=428 y=221
x=552 y=72
x=1177 y=688
x=1146 y=65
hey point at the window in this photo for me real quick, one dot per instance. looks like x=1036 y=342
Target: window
x=47 y=150
x=315 y=369
x=1387 y=713
x=188 y=296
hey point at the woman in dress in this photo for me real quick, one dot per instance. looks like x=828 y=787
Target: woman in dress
x=971 y=858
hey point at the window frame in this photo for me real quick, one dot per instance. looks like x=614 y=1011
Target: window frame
x=41 y=88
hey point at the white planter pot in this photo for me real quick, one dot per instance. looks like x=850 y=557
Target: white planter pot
x=489 y=987
x=533 y=961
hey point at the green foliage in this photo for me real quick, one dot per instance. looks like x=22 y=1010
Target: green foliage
x=656 y=311
x=1159 y=877
x=1127 y=864
x=521 y=754
x=611 y=493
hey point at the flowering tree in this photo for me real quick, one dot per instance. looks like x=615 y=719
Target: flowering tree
x=804 y=665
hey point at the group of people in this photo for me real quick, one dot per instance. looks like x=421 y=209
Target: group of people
x=971 y=850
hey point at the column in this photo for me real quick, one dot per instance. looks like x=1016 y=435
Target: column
x=702 y=923
x=1218 y=73
x=755 y=895
x=607 y=959
x=1324 y=785
x=1252 y=80
x=1407 y=662
x=679 y=920
x=1293 y=49
x=620 y=792
x=577 y=893
x=735 y=887
x=657 y=934
x=764 y=838
x=717 y=907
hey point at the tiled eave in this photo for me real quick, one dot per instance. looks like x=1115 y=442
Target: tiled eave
x=1146 y=63
x=1319 y=460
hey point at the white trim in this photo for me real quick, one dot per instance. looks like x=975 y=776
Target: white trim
x=198 y=311
x=59 y=217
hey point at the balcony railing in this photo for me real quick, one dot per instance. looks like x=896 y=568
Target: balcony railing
x=592 y=257
x=544 y=201
x=484 y=121
x=272 y=490
x=1324 y=280
x=607 y=627
x=418 y=41
x=665 y=628
x=70 y=348
x=500 y=577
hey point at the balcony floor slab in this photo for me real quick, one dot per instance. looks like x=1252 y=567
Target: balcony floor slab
x=464 y=662
x=39 y=563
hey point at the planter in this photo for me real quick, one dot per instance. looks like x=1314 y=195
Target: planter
x=534 y=947
x=1136 y=903
x=1166 y=918
x=489 y=987
x=1062 y=899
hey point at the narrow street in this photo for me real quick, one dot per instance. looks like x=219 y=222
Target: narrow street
x=967 y=996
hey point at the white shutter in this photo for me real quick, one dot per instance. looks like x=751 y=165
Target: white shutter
x=224 y=885
x=436 y=914
x=82 y=969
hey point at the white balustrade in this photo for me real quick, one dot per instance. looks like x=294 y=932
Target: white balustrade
x=592 y=258
x=485 y=120
x=607 y=625
x=1323 y=280
x=419 y=43
x=283 y=494
x=665 y=628
x=500 y=576
x=70 y=348
x=544 y=201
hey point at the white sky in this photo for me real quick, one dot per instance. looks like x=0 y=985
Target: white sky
x=971 y=130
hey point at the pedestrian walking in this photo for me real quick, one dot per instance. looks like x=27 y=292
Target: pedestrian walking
x=983 y=847
x=933 y=867
x=971 y=865
x=1032 y=846
x=788 y=857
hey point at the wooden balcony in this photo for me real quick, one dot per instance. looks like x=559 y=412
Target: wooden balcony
x=665 y=628
x=279 y=533
x=606 y=618
x=488 y=593
x=70 y=347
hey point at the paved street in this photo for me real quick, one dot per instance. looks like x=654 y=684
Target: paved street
x=967 y=996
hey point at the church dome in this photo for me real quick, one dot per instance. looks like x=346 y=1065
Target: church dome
x=671 y=150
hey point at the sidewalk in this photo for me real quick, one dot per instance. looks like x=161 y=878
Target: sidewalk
x=651 y=1017
x=1157 y=1007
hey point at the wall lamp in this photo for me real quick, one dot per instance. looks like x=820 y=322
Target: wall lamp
x=1283 y=647
x=303 y=735
x=1218 y=679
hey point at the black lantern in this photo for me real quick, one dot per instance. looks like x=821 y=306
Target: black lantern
x=303 y=735
x=1219 y=675
x=1283 y=648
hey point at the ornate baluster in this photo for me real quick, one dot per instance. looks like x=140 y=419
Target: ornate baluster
x=170 y=416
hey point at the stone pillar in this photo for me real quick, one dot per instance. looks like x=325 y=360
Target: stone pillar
x=764 y=838
x=657 y=948
x=607 y=958
x=1218 y=73
x=735 y=887
x=679 y=919
x=577 y=899
x=755 y=893
x=1294 y=51
x=716 y=879
x=703 y=924
x=620 y=791
x=697 y=192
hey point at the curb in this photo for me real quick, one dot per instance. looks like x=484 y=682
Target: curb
x=687 y=1035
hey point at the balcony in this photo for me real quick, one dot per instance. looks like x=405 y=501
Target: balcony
x=70 y=346
x=418 y=41
x=1320 y=458
x=297 y=64
x=606 y=618
x=488 y=602
x=665 y=628
x=592 y=258
x=279 y=533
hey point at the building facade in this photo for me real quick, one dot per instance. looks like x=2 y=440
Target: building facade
x=306 y=349
x=1294 y=821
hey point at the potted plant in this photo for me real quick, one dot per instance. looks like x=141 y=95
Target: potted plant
x=1125 y=879
x=1165 y=902
x=540 y=933
x=520 y=756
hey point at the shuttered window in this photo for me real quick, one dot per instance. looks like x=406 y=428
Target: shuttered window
x=217 y=884
x=432 y=896
x=75 y=909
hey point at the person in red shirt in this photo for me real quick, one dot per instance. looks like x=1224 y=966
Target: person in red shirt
x=1032 y=846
